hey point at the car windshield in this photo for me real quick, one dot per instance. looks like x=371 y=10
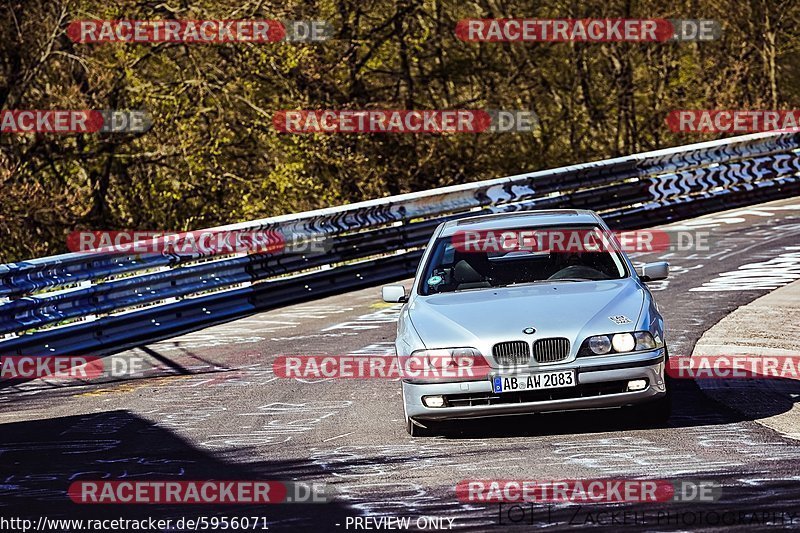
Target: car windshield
x=512 y=257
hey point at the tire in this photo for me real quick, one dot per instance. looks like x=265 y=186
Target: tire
x=658 y=412
x=418 y=431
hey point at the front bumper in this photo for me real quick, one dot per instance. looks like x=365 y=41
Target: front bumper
x=601 y=382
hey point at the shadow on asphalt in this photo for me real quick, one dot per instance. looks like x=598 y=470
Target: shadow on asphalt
x=41 y=458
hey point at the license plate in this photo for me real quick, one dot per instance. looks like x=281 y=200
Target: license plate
x=525 y=382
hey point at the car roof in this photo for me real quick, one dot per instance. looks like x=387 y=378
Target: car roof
x=521 y=219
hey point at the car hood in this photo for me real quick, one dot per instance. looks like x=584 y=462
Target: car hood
x=481 y=318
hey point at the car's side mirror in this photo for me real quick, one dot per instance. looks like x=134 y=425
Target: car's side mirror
x=394 y=294
x=653 y=271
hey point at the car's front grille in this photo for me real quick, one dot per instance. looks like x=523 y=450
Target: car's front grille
x=512 y=353
x=551 y=350
x=589 y=390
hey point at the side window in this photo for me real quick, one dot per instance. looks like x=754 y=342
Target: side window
x=449 y=254
x=439 y=270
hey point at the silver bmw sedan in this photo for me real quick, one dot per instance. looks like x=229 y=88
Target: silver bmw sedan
x=529 y=312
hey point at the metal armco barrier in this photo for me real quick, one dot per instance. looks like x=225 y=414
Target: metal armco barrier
x=83 y=303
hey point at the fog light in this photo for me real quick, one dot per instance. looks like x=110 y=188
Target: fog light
x=637 y=384
x=433 y=401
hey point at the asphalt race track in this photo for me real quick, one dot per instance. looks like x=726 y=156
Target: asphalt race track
x=210 y=407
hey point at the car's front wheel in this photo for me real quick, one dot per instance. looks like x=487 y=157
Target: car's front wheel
x=657 y=412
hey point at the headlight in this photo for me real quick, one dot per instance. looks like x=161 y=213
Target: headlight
x=644 y=341
x=623 y=342
x=616 y=343
x=599 y=344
